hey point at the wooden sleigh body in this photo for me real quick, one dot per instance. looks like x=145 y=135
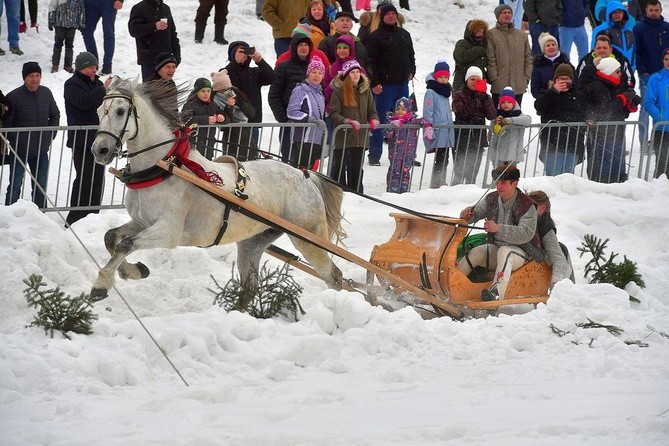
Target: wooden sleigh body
x=424 y=253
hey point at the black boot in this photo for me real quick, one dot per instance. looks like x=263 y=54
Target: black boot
x=199 y=31
x=219 y=34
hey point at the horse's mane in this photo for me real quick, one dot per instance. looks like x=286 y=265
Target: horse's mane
x=165 y=97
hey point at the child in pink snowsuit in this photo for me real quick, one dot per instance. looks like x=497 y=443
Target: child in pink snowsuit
x=363 y=4
x=402 y=143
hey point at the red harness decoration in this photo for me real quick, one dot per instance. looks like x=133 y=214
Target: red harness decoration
x=180 y=151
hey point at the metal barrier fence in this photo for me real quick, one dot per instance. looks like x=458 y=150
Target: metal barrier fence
x=606 y=152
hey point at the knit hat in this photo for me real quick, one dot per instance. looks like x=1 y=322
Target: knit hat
x=348 y=66
x=302 y=28
x=220 y=81
x=85 y=60
x=385 y=9
x=507 y=95
x=163 y=59
x=608 y=65
x=383 y=3
x=473 y=71
x=543 y=40
x=405 y=102
x=506 y=172
x=232 y=49
x=315 y=64
x=564 y=69
x=441 y=69
x=501 y=8
x=30 y=68
x=201 y=83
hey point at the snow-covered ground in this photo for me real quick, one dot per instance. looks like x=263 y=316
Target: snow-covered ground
x=346 y=373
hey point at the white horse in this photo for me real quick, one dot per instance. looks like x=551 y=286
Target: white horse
x=173 y=212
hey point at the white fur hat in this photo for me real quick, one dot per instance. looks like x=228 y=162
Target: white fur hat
x=473 y=71
x=543 y=40
x=608 y=65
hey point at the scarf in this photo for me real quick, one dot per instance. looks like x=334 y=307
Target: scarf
x=441 y=89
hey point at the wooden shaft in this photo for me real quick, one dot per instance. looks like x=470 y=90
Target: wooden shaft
x=310 y=237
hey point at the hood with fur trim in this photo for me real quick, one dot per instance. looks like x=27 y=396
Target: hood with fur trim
x=363 y=85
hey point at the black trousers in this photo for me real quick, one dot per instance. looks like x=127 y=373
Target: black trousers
x=88 y=185
x=220 y=13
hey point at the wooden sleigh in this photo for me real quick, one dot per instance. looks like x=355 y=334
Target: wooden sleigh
x=418 y=260
x=424 y=252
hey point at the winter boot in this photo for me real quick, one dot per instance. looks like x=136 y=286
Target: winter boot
x=54 y=68
x=490 y=295
x=439 y=168
x=219 y=34
x=199 y=31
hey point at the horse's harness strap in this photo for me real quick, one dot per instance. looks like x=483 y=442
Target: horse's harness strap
x=240 y=185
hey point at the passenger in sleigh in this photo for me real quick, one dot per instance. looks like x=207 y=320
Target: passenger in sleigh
x=511 y=224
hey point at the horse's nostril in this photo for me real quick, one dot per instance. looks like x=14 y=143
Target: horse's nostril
x=103 y=151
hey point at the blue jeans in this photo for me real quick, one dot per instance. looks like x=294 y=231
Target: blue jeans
x=559 y=162
x=13 y=13
x=96 y=10
x=535 y=31
x=576 y=35
x=281 y=45
x=39 y=167
x=385 y=102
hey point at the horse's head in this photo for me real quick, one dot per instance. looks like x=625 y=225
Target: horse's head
x=118 y=121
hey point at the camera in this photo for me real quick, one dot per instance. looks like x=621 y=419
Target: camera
x=249 y=50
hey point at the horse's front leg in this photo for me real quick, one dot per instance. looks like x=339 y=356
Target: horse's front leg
x=113 y=237
x=158 y=235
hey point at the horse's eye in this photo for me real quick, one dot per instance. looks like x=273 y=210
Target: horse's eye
x=120 y=111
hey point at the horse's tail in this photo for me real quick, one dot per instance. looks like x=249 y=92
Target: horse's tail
x=332 y=199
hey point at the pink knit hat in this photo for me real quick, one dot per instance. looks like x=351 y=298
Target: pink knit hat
x=348 y=66
x=315 y=64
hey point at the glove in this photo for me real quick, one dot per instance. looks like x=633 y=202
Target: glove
x=353 y=123
x=429 y=132
x=374 y=124
x=50 y=27
x=481 y=86
x=396 y=123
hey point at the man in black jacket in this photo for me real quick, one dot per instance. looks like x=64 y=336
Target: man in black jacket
x=84 y=93
x=249 y=79
x=153 y=28
x=286 y=76
x=390 y=49
x=30 y=105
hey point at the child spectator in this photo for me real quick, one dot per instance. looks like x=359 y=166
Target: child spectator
x=352 y=103
x=437 y=111
x=199 y=109
x=506 y=145
x=239 y=141
x=307 y=104
x=66 y=17
x=472 y=106
x=402 y=143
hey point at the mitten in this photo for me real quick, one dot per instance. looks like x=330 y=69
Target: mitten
x=481 y=86
x=429 y=132
x=374 y=124
x=396 y=123
x=353 y=123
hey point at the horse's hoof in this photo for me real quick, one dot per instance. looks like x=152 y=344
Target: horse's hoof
x=143 y=270
x=97 y=294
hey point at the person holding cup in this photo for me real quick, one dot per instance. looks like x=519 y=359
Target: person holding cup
x=152 y=26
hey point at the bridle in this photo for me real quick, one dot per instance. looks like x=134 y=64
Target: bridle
x=131 y=111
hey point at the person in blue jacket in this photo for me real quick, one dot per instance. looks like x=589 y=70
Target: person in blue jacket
x=651 y=38
x=656 y=102
x=618 y=26
x=437 y=111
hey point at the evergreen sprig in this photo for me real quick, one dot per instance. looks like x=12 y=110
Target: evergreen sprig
x=57 y=311
x=605 y=270
x=277 y=293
